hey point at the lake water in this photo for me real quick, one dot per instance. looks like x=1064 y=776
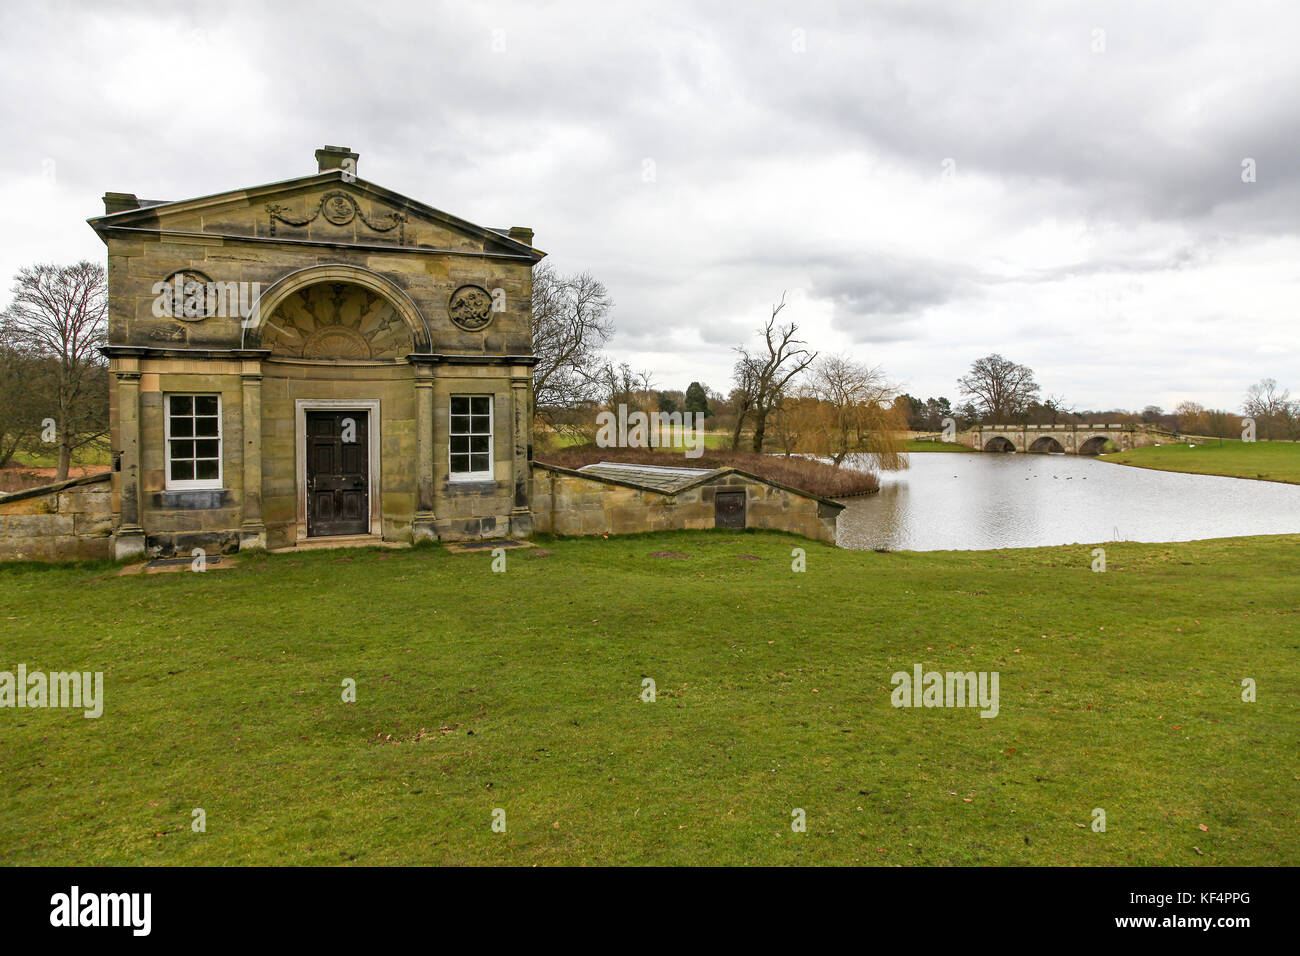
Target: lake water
x=980 y=501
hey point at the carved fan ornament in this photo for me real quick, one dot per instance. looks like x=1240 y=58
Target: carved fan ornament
x=336 y=342
x=339 y=209
x=470 y=307
x=336 y=320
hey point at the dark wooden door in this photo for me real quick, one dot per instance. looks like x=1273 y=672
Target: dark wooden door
x=729 y=509
x=338 y=473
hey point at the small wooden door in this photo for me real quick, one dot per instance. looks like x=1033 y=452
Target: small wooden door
x=729 y=509
x=338 y=473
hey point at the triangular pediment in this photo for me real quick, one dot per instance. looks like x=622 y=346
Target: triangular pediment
x=333 y=208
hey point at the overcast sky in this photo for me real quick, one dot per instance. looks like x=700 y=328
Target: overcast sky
x=927 y=182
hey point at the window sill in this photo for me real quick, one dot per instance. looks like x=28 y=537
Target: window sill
x=474 y=486
x=192 y=499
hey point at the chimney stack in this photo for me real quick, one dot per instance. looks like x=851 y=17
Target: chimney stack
x=119 y=202
x=336 y=157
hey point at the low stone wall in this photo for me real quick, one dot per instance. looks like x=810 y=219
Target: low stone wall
x=69 y=521
x=568 y=502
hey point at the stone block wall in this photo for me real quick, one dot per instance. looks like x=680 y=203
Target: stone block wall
x=565 y=502
x=69 y=521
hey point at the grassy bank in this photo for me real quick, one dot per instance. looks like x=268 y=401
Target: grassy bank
x=49 y=457
x=520 y=690
x=1266 y=460
x=914 y=444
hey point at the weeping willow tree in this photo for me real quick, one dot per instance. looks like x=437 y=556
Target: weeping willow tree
x=847 y=408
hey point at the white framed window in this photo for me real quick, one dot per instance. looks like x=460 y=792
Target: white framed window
x=470 y=451
x=193 y=437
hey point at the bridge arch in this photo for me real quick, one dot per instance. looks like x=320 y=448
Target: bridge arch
x=1047 y=445
x=1096 y=445
x=1000 y=443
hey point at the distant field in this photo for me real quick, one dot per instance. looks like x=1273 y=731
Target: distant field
x=1264 y=460
x=916 y=445
x=50 y=459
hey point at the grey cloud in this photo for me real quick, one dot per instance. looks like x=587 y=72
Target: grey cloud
x=551 y=131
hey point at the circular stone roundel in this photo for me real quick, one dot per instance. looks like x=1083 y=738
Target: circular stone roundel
x=470 y=308
x=190 y=295
x=339 y=208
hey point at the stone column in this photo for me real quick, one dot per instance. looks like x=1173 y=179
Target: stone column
x=128 y=541
x=423 y=527
x=521 y=512
x=252 y=532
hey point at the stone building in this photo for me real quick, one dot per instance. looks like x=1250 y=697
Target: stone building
x=618 y=498
x=318 y=357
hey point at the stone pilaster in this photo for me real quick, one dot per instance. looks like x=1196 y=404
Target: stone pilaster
x=521 y=513
x=422 y=527
x=129 y=541
x=252 y=531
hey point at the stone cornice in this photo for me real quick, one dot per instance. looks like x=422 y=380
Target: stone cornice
x=222 y=238
x=414 y=358
x=442 y=358
x=143 y=351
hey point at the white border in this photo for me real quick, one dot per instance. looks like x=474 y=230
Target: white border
x=490 y=474
x=193 y=484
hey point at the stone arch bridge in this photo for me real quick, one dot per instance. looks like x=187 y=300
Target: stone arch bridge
x=1048 y=439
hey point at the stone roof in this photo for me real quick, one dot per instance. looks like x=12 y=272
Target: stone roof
x=127 y=211
x=661 y=478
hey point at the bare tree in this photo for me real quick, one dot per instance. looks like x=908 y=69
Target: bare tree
x=61 y=312
x=571 y=325
x=742 y=398
x=619 y=385
x=1272 y=408
x=1192 y=417
x=24 y=380
x=1057 y=407
x=859 y=416
x=1001 y=389
x=764 y=375
x=788 y=421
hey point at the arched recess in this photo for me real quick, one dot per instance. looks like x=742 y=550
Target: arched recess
x=1047 y=445
x=297 y=282
x=999 y=444
x=1097 y=445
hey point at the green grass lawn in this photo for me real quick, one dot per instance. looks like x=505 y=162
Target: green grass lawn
x=49 y=458
x=521 y=691
x=916 y=445
x=1268 y=460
